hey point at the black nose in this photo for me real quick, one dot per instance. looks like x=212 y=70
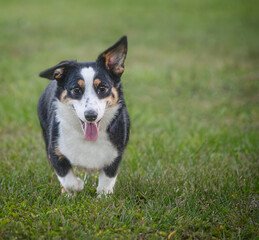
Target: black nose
x=90 y=115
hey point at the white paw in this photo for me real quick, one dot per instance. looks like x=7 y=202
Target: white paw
x=78 y=185
x=105 y=185
x=104 y=192
x=71 y=183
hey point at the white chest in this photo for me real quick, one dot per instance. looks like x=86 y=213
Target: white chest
x=80 y=152
x=91 y=155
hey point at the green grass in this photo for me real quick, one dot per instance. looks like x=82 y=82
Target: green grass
x=192 y=88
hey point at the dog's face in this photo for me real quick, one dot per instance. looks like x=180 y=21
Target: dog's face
x=90 y=88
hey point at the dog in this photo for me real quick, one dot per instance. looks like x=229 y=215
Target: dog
x=84 y=118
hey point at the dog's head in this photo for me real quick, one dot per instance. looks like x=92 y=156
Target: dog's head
x=90 y=88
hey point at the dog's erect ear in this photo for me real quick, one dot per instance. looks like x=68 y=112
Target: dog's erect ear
x=57 y=71
x=113 y=58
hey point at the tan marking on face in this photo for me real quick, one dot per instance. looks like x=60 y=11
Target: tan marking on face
x=112 y=99
x=81 y=83
x=64 y=98
x=97 y=81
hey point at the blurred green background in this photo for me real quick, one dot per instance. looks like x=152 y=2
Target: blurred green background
x=191 y=87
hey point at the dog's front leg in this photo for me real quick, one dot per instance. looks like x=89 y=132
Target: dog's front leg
x=106 y=184
x=70 y=182
x=65 y=173
x=107 y=178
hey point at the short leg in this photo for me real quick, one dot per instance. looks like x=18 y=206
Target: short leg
x=65 y=173
x=106 y=184
x=70 y=182
x=107 y=177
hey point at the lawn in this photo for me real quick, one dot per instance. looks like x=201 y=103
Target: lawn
x=191 y=85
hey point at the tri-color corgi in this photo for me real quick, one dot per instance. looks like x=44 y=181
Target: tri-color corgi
x=84 y=118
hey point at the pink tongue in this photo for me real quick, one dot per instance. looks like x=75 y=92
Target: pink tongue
x=91 y=131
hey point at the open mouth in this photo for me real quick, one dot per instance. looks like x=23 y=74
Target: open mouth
x=90 y=130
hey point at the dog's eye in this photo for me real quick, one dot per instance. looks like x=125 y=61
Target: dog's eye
x=77 y=90
x=102 y=89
